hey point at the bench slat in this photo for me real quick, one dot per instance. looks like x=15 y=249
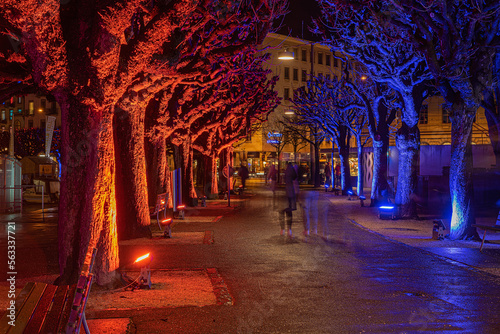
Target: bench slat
x=54 y=314
x=20 y=299
x=24 y=314
x=67 y=308
x=38 y=318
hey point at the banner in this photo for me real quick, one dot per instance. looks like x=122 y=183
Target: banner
x=49 y=130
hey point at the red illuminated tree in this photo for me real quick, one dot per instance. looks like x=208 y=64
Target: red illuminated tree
x=99 y=59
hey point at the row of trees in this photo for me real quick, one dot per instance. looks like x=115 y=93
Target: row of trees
x=410 y=50
x=183 y=71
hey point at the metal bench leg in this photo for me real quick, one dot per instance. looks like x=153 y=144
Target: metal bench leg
x=84 y=323
x=482 y=243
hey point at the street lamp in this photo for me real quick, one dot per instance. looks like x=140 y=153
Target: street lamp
x=286 y=55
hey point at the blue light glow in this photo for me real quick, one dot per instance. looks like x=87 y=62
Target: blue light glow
x=385 y=207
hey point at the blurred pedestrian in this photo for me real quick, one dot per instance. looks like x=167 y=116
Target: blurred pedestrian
x=328 y=174
x=286 y=213
x=273 y=176
x=243 y=173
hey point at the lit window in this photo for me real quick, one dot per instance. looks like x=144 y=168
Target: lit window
x=424 y=114
x=20 y=99
x=31 y=107
x=3 y=115
x=17 y=125
x=11 y=114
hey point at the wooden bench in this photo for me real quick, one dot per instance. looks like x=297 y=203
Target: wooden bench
x=494 y=228
x=46 y=308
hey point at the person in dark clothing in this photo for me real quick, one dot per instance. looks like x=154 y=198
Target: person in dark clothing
x=286 y=214
x=243 y=173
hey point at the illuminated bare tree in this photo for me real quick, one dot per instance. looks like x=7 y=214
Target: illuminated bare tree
x=354 y=31
x=458 y=40
x=99 y=59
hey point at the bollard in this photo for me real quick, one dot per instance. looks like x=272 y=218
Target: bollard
x=362 y=200
x=204 y=201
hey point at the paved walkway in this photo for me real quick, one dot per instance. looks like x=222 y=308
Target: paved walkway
x=249 y=259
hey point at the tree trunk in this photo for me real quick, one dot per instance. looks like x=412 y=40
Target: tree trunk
x=360 y=183
x=131 y=186
x=188 y=191
x=380 y=187
x=461 y=190
x=492 y=113
x=87 y=207
x=156 y=164
x=316 y=176
x=214 y=189
x=345 y=170
x=408 y=144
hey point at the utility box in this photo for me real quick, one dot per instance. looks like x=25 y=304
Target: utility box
x=438 y=230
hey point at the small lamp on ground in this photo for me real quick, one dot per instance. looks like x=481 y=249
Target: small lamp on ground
x=167 y=233
x=386 y=212
x=326 y=188
x=180 y=210
x=142 y=263
x=362 y=200
x=350 y=193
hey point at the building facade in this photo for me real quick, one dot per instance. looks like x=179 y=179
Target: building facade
x=310 y=57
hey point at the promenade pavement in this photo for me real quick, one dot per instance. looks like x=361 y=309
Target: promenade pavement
x=190 y=234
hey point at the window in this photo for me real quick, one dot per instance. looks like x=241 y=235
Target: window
x=335 y=62
x=17 y=125
x=320 y=58
x=296 y=74
x=3 y=115
x=446 y=115
x=42 y=123
x=424 y=114
x=296 y=53
x=43 y=103
x=11 y=114
x=320 y=75
x=327 y=60
x=31 y=107
x=304 y=75
x=328 y=77
x=304 y=55
x=287 y=73
x=30 y=123
x=286 y=94
x=20 y=99
x=53 y=108
x=19 y=110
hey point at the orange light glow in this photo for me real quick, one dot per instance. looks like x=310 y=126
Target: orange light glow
x=165 y=221
x=140 y=258
x=181 y=207
x=162 y=202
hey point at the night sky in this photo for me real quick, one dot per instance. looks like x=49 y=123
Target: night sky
x=297 y=22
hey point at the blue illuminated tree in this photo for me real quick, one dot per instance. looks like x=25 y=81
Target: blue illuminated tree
x=353 y=30
x=458 y=40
